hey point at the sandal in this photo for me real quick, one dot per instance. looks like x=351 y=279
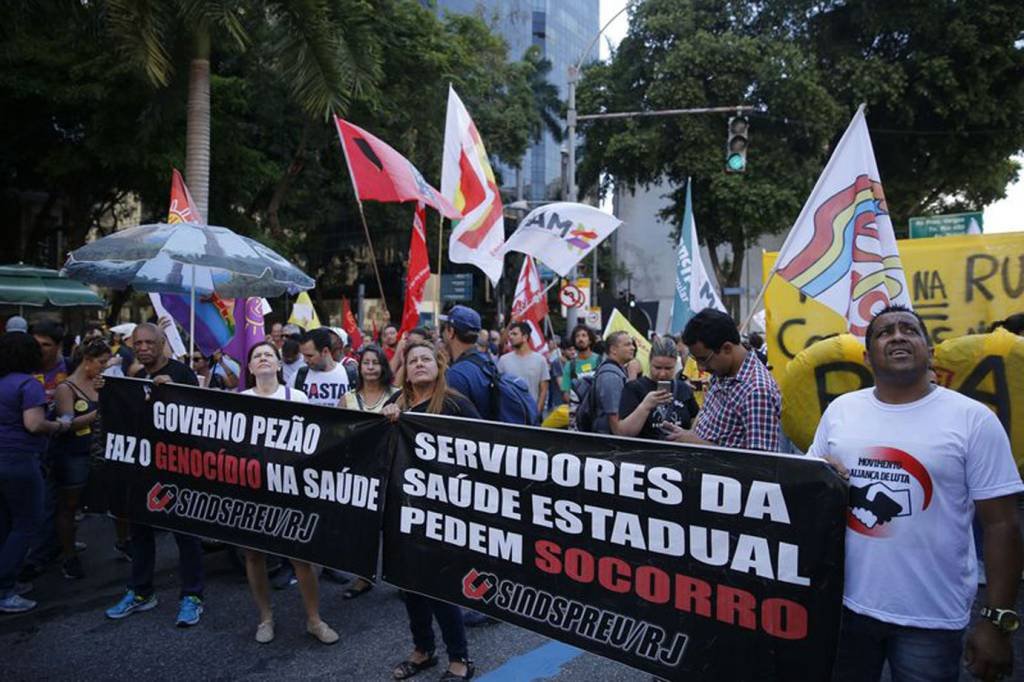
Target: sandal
x=353 y=592
x=449 y=676
x=407 y=669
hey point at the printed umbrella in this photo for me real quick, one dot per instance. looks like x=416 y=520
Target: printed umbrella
x=185 y=258
x=181 y=258
x=27 y=285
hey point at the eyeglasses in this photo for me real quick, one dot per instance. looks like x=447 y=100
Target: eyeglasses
x=703 y=362
x=198 y=358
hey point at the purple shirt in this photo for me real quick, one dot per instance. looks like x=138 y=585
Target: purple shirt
x=19 y=392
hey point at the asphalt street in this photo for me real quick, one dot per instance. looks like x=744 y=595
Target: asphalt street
x=67 y=637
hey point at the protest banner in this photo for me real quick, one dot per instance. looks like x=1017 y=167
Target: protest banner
x=292 y=479
x=959 y=285
x=687 y=562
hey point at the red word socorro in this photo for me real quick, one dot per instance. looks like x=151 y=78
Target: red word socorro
x=782 y=618
x=213 y=466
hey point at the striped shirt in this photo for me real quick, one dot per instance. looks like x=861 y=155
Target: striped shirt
x=742 y=411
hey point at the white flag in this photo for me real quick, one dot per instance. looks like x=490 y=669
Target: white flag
x=696 y=288
x=467 y=181
x=842 y=250
x=561 y=235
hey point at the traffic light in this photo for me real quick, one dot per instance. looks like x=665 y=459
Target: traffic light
x=736 y=144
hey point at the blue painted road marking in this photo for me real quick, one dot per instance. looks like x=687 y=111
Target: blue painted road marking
x=540 y=664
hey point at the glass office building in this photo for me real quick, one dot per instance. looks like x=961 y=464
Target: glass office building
x=562 y=29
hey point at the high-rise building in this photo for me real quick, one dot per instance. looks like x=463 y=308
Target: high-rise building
x=562 y=29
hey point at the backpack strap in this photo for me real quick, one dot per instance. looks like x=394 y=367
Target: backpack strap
x=300 y=377
x=491 y=374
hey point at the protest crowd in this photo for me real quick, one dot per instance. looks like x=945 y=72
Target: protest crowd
x=52 y=378
x=665 y=500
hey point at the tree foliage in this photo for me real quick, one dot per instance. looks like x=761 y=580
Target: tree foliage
x=84 y=129
x=943 y=81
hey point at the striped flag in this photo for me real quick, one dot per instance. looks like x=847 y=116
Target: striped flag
x=467 y=181
x=842 y=249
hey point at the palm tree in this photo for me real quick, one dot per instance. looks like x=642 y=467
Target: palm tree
x=324 y=50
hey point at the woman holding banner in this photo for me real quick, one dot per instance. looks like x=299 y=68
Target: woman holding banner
x=373 y=389
x=267 y=382
x=425 y=389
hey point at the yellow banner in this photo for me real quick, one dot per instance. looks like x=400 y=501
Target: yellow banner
x=959 y=285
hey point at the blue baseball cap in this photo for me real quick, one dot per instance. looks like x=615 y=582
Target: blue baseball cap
x=463 y=318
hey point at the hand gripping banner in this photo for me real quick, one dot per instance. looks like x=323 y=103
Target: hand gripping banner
x=689 y=563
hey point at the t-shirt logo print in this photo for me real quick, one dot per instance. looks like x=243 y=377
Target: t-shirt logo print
x=880 y=490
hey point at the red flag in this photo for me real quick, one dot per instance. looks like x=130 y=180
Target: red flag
x=379 y=173
x=182 y=209
x=531 y=304
x=348 y=323
x=419 y=271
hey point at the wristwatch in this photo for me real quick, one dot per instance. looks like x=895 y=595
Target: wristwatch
x=1006 y=620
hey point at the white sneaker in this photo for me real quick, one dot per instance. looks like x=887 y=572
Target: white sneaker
x=14 y=603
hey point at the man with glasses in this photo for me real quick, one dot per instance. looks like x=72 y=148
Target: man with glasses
x=742 y=405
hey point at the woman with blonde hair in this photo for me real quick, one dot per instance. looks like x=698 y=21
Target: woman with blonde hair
x=267 y=382
x=424 y=389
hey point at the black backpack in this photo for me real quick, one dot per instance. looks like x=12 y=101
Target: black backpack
x=583 y=401
x=510 y=399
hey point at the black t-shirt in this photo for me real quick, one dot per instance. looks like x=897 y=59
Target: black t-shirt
x=455 y=405
x=680 y=411
x=177 y=371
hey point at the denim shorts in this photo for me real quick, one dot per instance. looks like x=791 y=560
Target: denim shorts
x=70 y=470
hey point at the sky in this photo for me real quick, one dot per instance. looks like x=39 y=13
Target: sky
x=1006 y=215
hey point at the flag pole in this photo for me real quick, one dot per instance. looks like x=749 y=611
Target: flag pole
x=803 y=212
x=373 y=257
x=757 y=301
x=440 y=245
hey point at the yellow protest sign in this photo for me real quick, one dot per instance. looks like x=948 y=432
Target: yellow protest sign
x=959 y=285
x=990 y=369
x=617 y=322
x=814 y=378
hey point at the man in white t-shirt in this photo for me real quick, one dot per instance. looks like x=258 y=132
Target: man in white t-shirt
x=323 y=381
x=921 y=459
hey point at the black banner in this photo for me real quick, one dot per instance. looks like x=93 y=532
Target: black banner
x=690 y=563
x=298 y=480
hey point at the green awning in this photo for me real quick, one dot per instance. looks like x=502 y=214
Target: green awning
x=26 y=285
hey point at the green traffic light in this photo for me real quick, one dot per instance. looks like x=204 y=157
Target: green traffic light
x=736 y=162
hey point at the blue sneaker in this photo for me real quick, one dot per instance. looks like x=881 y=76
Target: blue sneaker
x=131 y=603
x=191 y=609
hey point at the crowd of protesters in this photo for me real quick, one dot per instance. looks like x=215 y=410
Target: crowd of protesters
x=708 y=386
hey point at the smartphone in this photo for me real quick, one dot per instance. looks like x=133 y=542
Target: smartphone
x=665 y=386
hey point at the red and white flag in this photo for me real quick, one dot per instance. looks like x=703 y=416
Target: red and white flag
x=531 y=304
x=418 y=273
x=468 y=182
x=379 y=173
x=182 y=209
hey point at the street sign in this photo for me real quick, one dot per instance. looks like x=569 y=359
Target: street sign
x=945 y=225
x=545 y=273
x=571 y=296
x=457 y=287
